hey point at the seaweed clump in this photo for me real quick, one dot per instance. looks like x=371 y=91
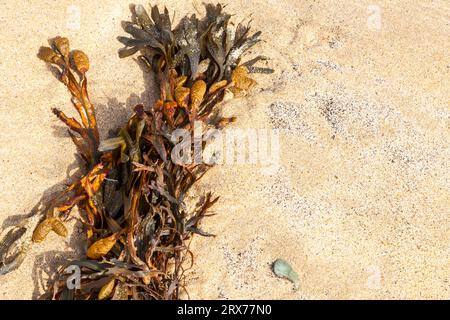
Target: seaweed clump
x=132 y=193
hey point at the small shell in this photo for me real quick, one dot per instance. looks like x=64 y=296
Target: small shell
x=284 y=270
x=182 y=96
x=197 y=93
x=80 y=60
x=58 y=227
x=101 y=247
x=63 y=46
x=217 y=86
x=107 y=289
x=41 y=231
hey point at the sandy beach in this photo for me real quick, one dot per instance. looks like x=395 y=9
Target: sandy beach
x=359 y=200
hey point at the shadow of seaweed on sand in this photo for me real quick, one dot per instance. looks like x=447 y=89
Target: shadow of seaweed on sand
x=46 y=264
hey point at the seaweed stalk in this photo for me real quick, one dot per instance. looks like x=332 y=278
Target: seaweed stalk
x=132 y=192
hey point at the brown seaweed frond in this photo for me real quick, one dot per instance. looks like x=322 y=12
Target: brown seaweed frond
x=132 y=193
x=73 y=66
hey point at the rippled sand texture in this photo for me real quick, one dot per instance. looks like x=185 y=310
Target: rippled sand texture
x=359 y=203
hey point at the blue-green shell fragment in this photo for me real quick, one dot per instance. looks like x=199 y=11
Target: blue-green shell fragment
x=283 y=269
